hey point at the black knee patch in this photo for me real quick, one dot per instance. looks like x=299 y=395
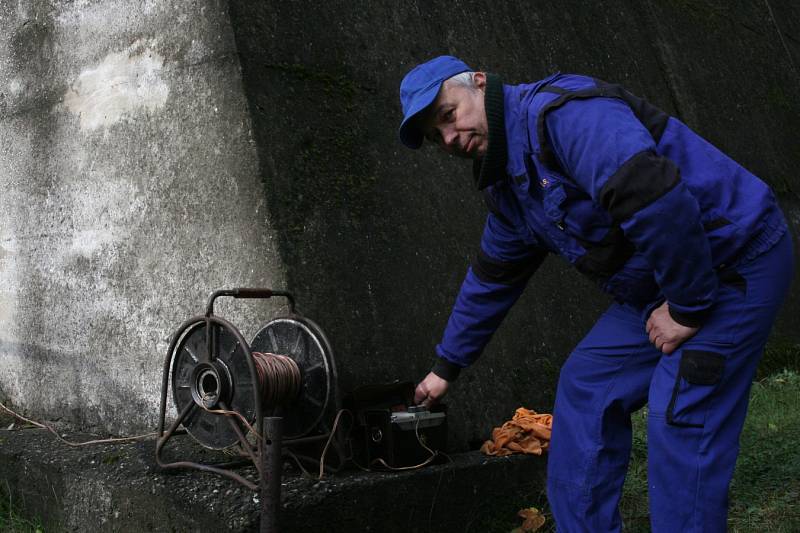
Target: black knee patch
x=696 y=368
x=701 y=368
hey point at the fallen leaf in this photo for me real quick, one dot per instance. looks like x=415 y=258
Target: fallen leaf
x=533 y=519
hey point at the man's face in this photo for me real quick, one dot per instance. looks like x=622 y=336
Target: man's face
x=456 y=121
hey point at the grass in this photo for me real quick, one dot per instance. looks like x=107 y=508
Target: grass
x=10 y=520
x=766 y=484
x=779 y=354
x=765 y=490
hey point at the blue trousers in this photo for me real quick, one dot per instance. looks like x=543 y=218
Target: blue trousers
x=697 y=401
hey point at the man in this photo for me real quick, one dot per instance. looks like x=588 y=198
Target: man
x=693 y=248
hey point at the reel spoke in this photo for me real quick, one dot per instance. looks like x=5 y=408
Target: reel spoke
x=211 y=383
x=302 y=341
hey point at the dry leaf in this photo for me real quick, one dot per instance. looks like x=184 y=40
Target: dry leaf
x=533 y=519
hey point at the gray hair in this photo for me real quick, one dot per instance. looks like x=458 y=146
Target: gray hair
x=465 y=79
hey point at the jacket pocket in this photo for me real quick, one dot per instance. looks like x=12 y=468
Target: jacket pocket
x=733 y=279
x=699 y=373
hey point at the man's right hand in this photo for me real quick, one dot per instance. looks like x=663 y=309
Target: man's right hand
x=430 y=390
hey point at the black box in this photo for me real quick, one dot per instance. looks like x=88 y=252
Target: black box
x=389 y=432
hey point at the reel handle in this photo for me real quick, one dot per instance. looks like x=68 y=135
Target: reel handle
x=244 y=292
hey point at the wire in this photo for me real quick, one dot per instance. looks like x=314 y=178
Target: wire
x=232 y=413
x=426 y=462
x=299 y=463
x=330 y=438
x=279 y=377
x=70 y=443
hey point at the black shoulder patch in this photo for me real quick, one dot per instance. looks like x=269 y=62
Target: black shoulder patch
x=640 y=181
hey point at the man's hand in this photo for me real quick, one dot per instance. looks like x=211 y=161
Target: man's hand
x=665 y=333
x=430 y=390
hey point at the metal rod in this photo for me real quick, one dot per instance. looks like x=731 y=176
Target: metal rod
x=216 y=469
x=243 y=442
x=162 y=412
x=306 y=440
x=271 y=470
x=289 y=297
x=164 y=437
x=244 y=292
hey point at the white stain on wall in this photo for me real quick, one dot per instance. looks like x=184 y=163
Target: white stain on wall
x=123 y=85
x=103 y=214
x=16 y=86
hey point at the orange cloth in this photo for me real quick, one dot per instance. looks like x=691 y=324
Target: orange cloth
x=527 y=432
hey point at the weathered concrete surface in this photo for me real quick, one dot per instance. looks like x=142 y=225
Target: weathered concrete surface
x=141 y=167
x=129 y=191
x=118 y=488
x=377 y=238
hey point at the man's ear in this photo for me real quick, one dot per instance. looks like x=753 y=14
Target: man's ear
x=480 y=81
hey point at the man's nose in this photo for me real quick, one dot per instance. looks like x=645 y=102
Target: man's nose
x=450 y=137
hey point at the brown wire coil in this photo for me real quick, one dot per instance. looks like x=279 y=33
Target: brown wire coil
x=279 y=378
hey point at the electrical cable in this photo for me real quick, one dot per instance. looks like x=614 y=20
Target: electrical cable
x=279 y=377
x=70 y=443
x=299 y=463
x=237 y=414
x=330 y=438
x=426 y=462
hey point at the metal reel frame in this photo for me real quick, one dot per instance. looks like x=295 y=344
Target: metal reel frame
x=263 y=454
x=164 y=436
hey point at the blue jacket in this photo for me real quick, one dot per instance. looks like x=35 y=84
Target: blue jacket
x=628 y=194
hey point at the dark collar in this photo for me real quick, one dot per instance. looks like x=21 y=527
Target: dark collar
x=491 y=168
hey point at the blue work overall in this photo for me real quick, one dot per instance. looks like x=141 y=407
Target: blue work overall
x=653 y=213
x=696 y=400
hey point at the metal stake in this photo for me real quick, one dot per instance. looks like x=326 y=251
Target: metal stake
x=271 y=471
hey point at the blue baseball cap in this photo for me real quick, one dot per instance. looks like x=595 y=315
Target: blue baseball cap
x=418 y=90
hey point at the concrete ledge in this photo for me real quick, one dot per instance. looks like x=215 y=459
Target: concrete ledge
x=119 y=488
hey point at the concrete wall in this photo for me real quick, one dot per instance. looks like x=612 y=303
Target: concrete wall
x=132 y=184
x=129 y=191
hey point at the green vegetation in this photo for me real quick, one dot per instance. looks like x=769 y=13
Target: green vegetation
x=112 y=458
x=10 y=520
x=766 y=484
x=779 y=354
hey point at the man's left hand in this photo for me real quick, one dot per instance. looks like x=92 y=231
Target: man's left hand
x=665 y=333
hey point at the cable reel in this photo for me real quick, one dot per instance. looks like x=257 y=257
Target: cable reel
x=223 y=386
x=303 y=341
